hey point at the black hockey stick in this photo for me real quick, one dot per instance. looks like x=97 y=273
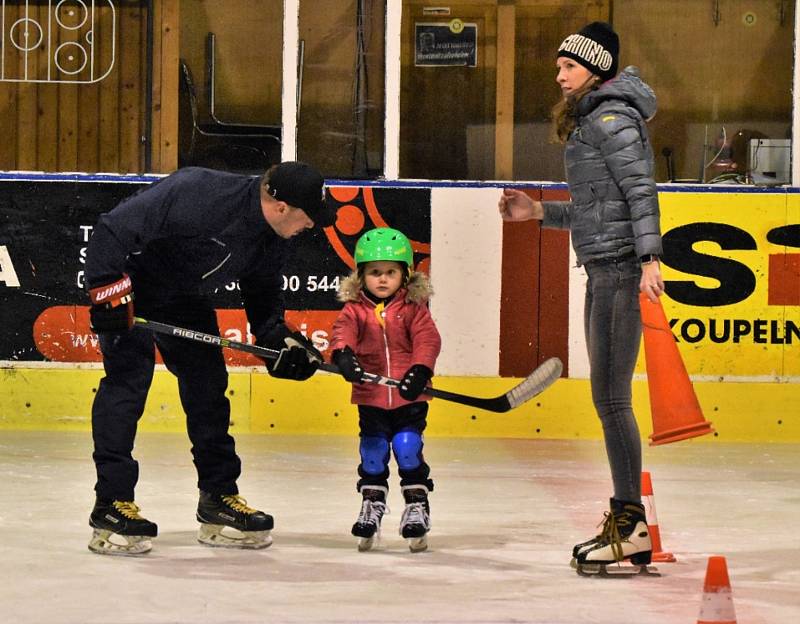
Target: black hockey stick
x=535 y=383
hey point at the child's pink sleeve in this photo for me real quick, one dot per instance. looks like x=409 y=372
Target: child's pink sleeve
x=425 y=337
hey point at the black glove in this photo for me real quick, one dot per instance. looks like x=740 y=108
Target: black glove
x=112 y=307
x=348 y=365
x=298 y=359
x=414 y=381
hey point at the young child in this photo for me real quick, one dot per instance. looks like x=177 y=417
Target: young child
x=386 y=328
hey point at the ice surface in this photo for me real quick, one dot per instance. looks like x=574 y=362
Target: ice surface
x=505 y=516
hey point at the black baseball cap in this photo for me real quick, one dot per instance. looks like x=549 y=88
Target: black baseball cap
x=302 y=186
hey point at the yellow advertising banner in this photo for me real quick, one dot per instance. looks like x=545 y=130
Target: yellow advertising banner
x=732 y=274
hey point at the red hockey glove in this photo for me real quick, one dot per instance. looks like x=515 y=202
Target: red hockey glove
x=112 y=307
x=348 y=365
x=414 y=381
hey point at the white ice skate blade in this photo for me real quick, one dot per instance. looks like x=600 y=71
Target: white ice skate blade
x=105 y=542
x=418 y=544
x=368 y=543
x=614 y=570
x=212 y=535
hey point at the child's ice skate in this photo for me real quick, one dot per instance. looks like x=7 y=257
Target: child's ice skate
x=247 y=527
x=368 y=525
x=623 y=546
x=119 y=529
x=416 y=520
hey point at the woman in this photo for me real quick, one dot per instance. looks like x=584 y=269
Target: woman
x=613 y=219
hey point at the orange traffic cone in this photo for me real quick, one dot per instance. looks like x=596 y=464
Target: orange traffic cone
x=673 y=404
x=652 y=521
x=717 y=605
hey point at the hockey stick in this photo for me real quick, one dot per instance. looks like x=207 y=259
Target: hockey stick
x=535 y=383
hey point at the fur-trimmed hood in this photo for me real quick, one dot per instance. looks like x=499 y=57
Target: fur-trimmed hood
x=387 y=339
x=418 y=289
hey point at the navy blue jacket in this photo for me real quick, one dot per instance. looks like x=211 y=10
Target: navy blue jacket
x=186 y=236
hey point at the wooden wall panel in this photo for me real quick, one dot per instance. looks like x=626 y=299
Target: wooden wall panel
x=109 y=128
x=249 y=55
x=447 y=114
x=540 y=28
x=708 y=74
x=342 y=112
x=534 y=298
x=47 y=129
x=88 y=130
x=8 y=125
x=504 y=85
x=26 y=109
x=54 y=118
x=158 y=75
x=164 y=135
x=129 y=86
x=67 y=108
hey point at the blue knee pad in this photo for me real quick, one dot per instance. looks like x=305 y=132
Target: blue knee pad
x=374 y=452
x=407 y=447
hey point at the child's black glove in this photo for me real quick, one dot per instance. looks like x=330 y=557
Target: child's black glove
x=348 y=365
x=414 y=381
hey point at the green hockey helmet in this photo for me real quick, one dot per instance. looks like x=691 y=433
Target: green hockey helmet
x=384 y=244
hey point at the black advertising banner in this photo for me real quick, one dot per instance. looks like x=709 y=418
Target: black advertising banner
x=439 y=44
x=45 y=228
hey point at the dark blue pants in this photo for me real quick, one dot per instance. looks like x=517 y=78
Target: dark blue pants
x=613 y=332
x=382 y=423
x=129 y=360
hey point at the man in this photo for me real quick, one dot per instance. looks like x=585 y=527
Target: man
x=163 y=251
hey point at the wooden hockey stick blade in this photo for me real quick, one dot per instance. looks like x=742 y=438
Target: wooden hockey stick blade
x=535 y=383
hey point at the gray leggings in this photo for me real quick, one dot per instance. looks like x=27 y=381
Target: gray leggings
x=613 y=332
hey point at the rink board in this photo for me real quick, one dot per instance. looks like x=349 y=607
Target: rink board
x=61 y=399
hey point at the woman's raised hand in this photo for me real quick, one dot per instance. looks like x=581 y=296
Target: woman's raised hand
x=515 y=205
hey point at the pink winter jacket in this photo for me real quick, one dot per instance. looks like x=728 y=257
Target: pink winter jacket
x=407 y=336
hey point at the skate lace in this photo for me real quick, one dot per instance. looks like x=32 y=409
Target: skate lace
x=414 y=513
x=371 y=512
x=129 y=509
x=610 y=533
x=237 y=503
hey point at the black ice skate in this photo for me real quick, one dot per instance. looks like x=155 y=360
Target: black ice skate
x=368 y=525
x=416 y=520
x=119 y=529
x=250 y=527
x=623 y=546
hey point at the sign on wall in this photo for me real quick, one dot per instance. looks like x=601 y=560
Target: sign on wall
x=439 y=44
x=47 y=41
x=732 y=273
x=45 y=228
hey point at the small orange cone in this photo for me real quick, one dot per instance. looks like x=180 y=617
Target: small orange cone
x=673 y=404
x=652 y=521
x=717 y=605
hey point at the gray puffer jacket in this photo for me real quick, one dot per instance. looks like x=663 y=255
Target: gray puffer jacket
x=609 y=165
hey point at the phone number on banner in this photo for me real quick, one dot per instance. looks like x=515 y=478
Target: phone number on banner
x=295 y=283
x=313 y=283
